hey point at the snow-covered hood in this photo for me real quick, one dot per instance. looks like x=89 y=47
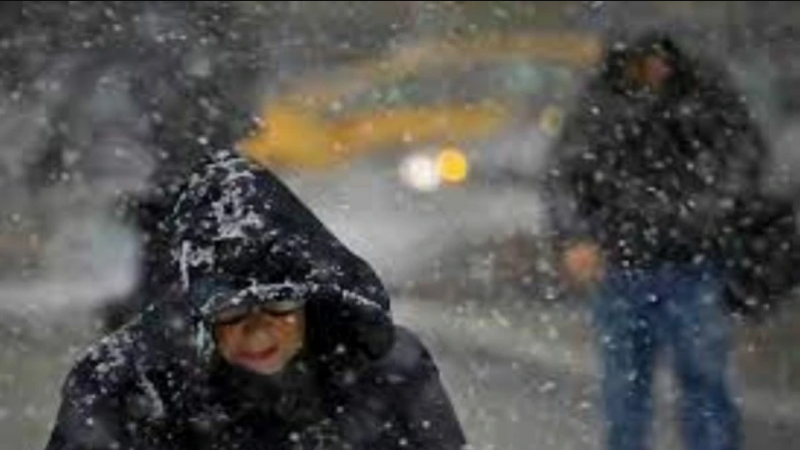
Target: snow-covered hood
x=239 y=235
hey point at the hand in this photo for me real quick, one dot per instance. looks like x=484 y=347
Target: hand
x=583 y=263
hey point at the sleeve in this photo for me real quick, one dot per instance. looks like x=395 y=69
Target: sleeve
x=103 y=407
x=736 y=157
x=89 y=418
x=431 y=419
x=727 y=120
x=566 y=178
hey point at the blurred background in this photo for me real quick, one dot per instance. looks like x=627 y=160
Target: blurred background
x=413 y=129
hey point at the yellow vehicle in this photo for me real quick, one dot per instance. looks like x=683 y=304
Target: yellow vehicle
x=440 y=93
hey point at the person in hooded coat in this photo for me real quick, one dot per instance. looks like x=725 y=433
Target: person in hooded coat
x=272 y=335
x=652 y=173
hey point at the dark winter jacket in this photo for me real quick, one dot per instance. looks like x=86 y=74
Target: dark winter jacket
x=361 y=382
x=656 y=177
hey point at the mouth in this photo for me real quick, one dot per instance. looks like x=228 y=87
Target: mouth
x=259 y=356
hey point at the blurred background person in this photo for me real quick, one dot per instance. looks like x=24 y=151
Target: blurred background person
x=660 y=161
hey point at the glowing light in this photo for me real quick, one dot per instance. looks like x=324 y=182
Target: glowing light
x=452 y=165
x=420 y=172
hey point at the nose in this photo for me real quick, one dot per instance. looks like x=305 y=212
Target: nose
x=258 y=323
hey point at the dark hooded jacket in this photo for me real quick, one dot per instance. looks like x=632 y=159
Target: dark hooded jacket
x=360 y=383
x=655 y=178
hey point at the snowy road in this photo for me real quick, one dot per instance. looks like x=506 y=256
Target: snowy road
x=523 y=376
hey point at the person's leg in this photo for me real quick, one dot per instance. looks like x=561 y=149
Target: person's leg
x=628 y=349
x=700 y=337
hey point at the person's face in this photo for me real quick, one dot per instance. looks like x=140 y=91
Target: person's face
x=656 y=71
x=651 y=71
x=262 y=342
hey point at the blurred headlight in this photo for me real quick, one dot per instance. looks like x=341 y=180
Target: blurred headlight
x=452 y=165
x=420 y=171
x=427 y=171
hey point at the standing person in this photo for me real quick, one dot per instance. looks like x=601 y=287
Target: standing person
x=270 y=335
x=658 y=163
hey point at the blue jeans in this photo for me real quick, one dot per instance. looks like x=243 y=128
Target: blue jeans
x=639 y=312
